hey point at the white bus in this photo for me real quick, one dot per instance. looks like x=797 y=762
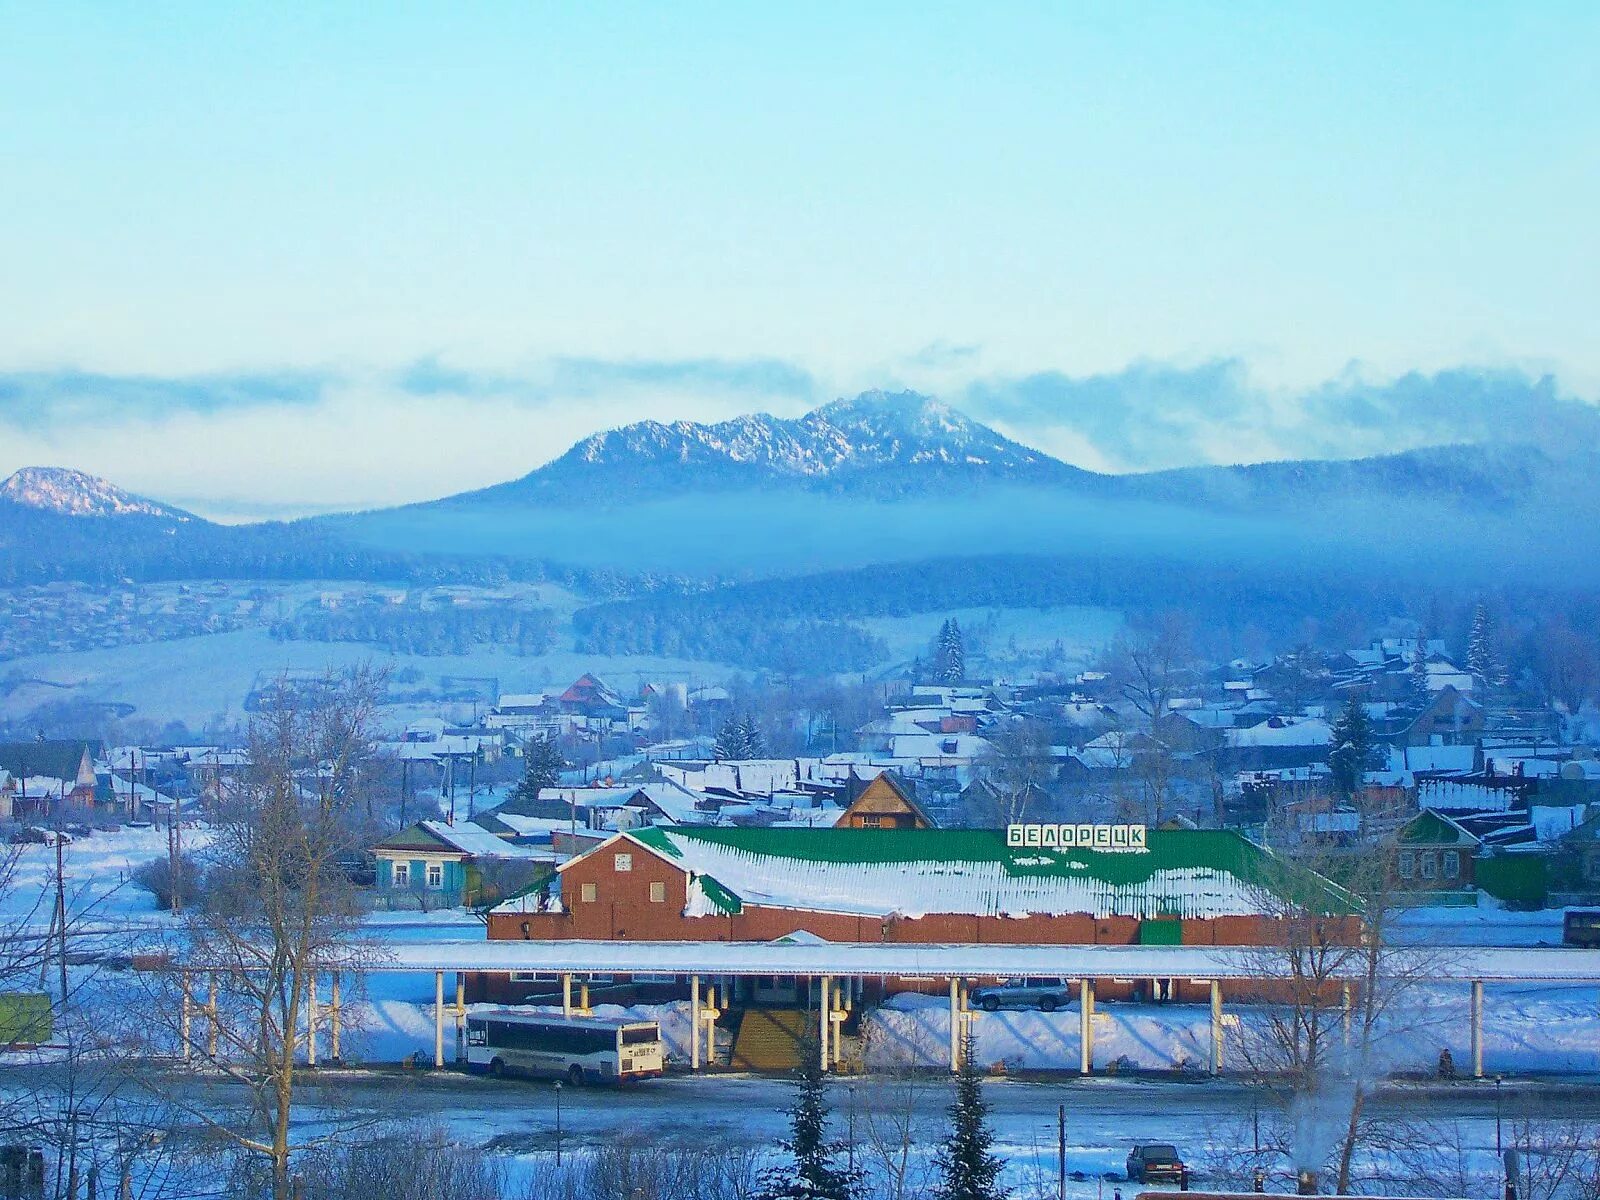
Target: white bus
x=578 y=1049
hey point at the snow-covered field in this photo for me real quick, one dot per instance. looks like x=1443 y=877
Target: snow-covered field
x=195 y=680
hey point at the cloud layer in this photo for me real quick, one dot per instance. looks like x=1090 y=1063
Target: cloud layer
x=279 y=443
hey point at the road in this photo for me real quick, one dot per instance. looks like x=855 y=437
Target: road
x=1104 y=1115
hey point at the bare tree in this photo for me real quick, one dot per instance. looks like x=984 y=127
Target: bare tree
x=276 y=913
x=1150 y=668
x=1016 y=771
x=1338 y=993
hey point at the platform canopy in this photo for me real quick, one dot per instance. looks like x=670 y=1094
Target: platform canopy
x=907 y=960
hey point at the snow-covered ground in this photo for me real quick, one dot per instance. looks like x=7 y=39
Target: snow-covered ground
x=1528 y=1029
x=197 y=679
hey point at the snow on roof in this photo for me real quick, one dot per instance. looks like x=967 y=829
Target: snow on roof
x=1283 y=731
x=1191 y=873
x=473 y=839
x=1432 y=758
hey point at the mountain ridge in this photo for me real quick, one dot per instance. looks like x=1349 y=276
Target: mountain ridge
x=73 y=493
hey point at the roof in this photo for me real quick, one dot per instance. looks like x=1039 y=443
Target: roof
x=467 y=838
x=936 y=960
x=913 y=872
x=48 y=759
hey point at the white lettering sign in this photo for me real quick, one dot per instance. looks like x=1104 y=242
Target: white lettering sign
x=1118 y=838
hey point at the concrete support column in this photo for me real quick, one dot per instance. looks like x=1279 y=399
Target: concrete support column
x=334 y=1017
x=583 y=997
x=694 y=1022
x=438 y=1020
x=461 y=1016
x=825 y=1019
x=185 y=1017
x=1216 y=1027
x=211 y=1016
x=1477 y=1029
x=1086 y=1027
x=566 y=995
x=955 y=1025
x=311 y=1020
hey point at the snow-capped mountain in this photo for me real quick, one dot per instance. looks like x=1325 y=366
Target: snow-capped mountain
x=77 y=494
x=887 y=443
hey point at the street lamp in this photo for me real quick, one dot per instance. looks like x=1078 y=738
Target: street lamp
x=558 y=1123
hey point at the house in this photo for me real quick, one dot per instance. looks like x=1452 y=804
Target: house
x=1450 y=719
x=884 y=803
x=45 y=773
x=1434 y=852
x=433 y=864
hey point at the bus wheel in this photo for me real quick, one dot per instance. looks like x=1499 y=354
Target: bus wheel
x=575 y=1075
x=497 y=1067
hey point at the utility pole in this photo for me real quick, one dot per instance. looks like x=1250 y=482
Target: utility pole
x=1061 y=1152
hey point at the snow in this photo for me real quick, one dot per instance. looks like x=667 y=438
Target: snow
x=916 y=888
x=197 y=679
x=1527 y=1029
x=77 y=494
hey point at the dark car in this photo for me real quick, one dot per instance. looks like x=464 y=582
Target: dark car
x=1155 y=1162
x=1045 y=994
x=1581 y=927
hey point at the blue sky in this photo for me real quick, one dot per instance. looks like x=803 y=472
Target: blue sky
x=692 y=210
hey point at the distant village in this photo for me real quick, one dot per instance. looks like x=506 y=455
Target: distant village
x=1486 y=789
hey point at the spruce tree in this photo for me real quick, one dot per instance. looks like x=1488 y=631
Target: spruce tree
x=1480 y=651
x=542 y=767
x=1351 y=751
x=754 y=744
x=950 y=654
x=812 y=1173
x=968 y=1167
x=1418 y=681
x=738 y=739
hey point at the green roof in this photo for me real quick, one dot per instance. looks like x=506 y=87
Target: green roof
x=1173 y=859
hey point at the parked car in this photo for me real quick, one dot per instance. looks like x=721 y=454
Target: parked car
x=1047 y=995
x=1154 y=1162
x=1581 y=927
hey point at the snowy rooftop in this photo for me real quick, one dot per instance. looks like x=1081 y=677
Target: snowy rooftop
x=1190 y=873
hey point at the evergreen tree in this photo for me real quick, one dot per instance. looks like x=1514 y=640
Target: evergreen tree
x=1418 y=681
x=968 y=1167
x=734 y=740
x=541 y=768
x=949 y=654
x=1480 y=650
x=812 y=1175
x=755 y=745
x=1352 y=745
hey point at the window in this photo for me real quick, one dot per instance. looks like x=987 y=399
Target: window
x=623 y=862
x=1452 y=864
x=401 y=876
x=658 y=893
x=1408 y=864
x=436 y=875
x=1591 y=867
x=871 y=821
x=1429 y=864
x=586 y=893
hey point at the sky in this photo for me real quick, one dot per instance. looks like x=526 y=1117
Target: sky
x=265 y=259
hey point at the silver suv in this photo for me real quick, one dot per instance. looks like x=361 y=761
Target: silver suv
x=1045 y=994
